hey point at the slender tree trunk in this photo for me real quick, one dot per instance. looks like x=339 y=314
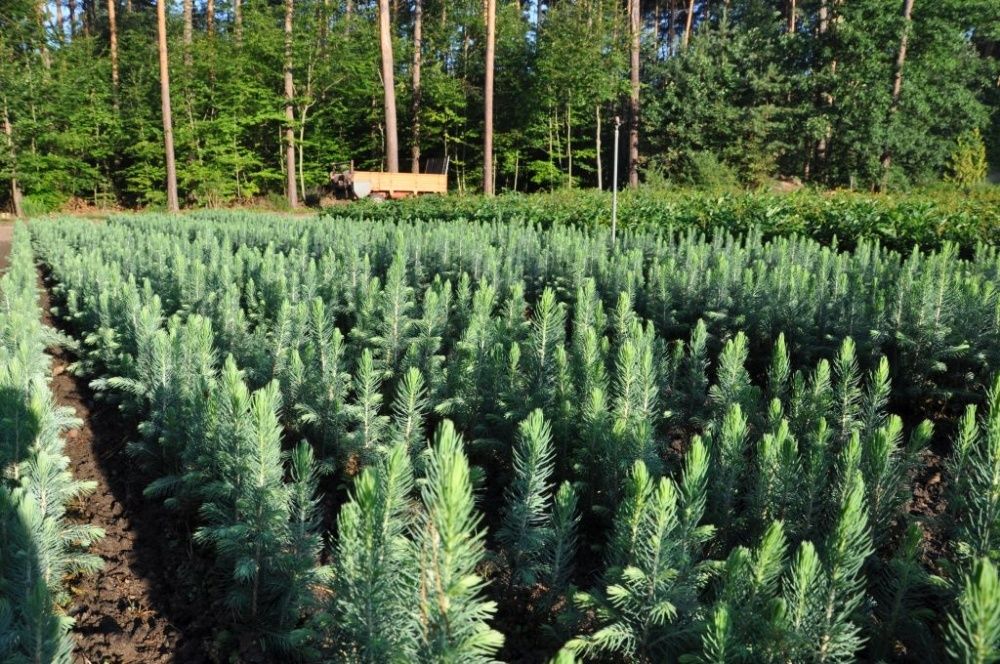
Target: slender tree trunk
x=656 y=31
x=597 y=147
x=113 y=39
x=187 y=89
x=168 y=122
x=557 y=136
x=491 y=15
x=128 y=6
x=389 y=87
x=569 y=142
x=72 y=18
x=822 y=146
x=324 y=26
x=689 y=20
x=418 y=27
x=291 y=187
x=552 y=149
x=307 y=100
x=43 y=45
x=348 y=15
x=88 y=16
x=672 y=29
x=210 y=17
x=113 y=46
x=15 y=188
x=633 y=132
x=791 y=17
x=897 y=88
x=60 y=32
x=238 y=20
x=302 y=158
x=188 y=31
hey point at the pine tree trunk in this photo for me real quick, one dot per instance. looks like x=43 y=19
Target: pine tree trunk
x=72 y=18
x=418 y=21
x=597 y=147
x=569 y=142
x=15 y=188
x=897 y=88
x=87 y=16
x=491 y=12
x=302 y=152
x=60 y=34
x=113 y=41
x=324 y=25
x=633 y=132
x=552 y=150
x=822 y=146
x=168 y=122
x=791 y=17
x=291 y=187
x=43 y=47
x=389 y=87
x=238 y=20
x=656 y=31
x=210 y=17
x=689 y=20
x=672 y=30
x=188 y=31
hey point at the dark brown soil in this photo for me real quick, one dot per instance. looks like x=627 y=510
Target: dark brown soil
x=136 y=609
x=928 y=504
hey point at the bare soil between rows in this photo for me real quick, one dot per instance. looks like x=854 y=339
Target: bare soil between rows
x=6 y=234
x=142 y=606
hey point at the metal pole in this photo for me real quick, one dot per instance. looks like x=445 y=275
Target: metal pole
x=614 y=185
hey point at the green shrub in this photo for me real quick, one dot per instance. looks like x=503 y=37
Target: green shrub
x=968 y=163
x=929 y=218
x=35 y=205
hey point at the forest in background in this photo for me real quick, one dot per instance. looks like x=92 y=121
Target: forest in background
x=865 y=94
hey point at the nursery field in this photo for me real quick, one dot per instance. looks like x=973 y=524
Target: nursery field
x=379 y=436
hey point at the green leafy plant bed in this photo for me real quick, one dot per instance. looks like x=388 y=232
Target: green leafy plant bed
x=928 y=219
x=473 y=440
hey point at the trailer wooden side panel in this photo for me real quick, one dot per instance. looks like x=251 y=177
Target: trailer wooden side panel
x=403 y=183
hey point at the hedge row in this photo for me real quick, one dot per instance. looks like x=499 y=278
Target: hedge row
x=928 y=219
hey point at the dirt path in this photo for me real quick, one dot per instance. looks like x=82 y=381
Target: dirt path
x=133 y=610
x=6 y=234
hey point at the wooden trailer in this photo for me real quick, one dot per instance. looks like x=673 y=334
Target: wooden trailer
x=349 y=183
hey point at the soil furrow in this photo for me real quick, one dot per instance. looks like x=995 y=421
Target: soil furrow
x=132 y=610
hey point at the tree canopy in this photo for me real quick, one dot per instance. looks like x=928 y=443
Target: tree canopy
x=740 y=91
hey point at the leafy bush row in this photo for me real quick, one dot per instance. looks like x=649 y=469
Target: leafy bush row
x=929 y=220
x=39 y=547
x=620 y=446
